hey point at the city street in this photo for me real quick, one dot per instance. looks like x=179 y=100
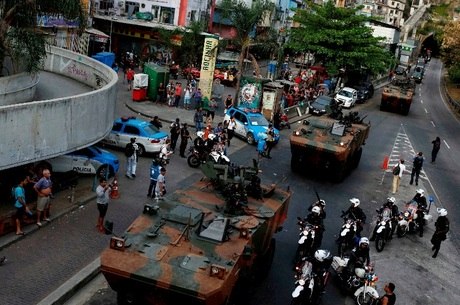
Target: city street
x=41 y=262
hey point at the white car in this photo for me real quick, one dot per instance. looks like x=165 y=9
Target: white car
x=347 y=97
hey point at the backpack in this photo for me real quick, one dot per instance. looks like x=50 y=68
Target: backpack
x=129 y=150
x=396 y=170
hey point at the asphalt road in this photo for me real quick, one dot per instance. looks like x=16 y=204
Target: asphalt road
x=406 y=262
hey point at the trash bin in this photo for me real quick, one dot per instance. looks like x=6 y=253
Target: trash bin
x=140 y=87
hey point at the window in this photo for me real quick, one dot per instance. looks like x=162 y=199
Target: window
x=131 y=130
x=167 y=15
x=193 y=16
x=155 y=12
x=117 y=127
x=240 y=117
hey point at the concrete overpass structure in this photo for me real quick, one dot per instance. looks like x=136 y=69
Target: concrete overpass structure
x=411 y=24
x=42 y=129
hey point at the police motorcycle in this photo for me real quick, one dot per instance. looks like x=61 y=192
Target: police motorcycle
x=311 y=277
x=306 y=239
x=411 y=219
x=360 y=280
x=346 y=239
x=383 y=229
x=205 y=154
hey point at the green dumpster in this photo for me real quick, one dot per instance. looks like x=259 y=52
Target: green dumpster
x=157 y=75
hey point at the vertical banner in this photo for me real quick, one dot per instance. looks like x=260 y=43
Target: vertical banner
x=250 y=94
x=208 y=64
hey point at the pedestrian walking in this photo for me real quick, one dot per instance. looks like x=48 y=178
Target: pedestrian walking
x=188 y=91
x=270 y=140
x=154 y=173
x=389 y=297
x=417 y=165
x=161 y=93
x=131 y=151
x=160 y=188
x=20 y=203
x=175 y=133
x=177 y=94
x=441 y=229
x=211 y=111
x=44 y=191
x=397 y=175
x=170 y=89
x=228 y=103
x=102 y=200
x=436 y=146
x=231 y=129
x=130 y=78
x=198 y=119
x=184 y=137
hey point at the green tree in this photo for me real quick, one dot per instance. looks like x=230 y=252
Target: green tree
x=192 y=44
x=339 y=37
x=245 y=19
x=21 y=40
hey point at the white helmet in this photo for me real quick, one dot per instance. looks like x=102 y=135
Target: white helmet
x=321 y=255
x=441 y=212
x=211 y=136
x=364 y=240
x=200 y=134
x=391 y=199
x=355 y=201
x=322 y=202
x=421 y=192
x=316 y=210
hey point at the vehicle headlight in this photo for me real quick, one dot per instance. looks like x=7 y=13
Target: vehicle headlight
x=117 y=243
x=217 y=271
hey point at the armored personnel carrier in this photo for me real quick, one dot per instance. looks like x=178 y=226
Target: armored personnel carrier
x=329 y=145
x=397 y=96
x=199 y=245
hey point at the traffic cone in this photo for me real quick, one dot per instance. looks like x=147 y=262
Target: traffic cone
x=114 y=194
x=385 y=163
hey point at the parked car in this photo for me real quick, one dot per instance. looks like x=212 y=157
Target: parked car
x=417 y=76
x=320 y=104
x=89 y=160
x=347 y=97
x=148 y=137
x=250 y=125
x=420 y=69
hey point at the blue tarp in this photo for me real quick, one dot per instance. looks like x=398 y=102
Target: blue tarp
x=105 y=57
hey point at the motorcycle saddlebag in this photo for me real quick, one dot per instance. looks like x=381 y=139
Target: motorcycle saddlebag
x=339 y=263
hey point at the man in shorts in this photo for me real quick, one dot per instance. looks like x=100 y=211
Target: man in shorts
x=43 y=189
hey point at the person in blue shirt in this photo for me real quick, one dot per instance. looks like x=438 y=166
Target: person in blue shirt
x=20 y=203
x=154 y=173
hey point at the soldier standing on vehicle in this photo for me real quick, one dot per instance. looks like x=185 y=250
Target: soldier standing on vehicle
x=184 y=136
x=417 y=165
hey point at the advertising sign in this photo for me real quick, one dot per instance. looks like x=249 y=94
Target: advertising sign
x=208 y=63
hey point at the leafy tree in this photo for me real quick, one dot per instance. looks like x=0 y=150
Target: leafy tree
x=21 y=39
x=454 y=73
x=192 y=44
x=339 y=37
x=451 y=43
x=245 y=20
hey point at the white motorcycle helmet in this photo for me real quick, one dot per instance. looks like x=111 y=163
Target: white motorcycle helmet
x=364 y=240
x=355 y=202
x=322 y=203
x=316 y=210
x=391 y=199
x=200 y=134
x=442 y=212
x=321 y=255
x=421 y=192
x=211 y=136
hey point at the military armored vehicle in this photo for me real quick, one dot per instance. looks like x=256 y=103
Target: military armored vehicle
x=397 y=96
x=329 y=145
x=199 y=245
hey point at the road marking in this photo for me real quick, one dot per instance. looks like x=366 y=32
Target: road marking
x=421 y=101
x=432 y=123
x=446 y=144
x=426 y=111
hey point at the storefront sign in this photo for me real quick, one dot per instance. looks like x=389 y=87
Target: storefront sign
x=208 y=64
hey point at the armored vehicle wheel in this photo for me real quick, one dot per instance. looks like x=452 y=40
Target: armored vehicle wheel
x=250 y=138
x=382 y=107
x=295 y=164
x=405 y=110
x=357 y=157
x=265 y=262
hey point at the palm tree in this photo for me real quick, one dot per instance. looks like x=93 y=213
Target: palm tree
x=21 y=39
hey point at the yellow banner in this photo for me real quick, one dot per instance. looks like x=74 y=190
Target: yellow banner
x=208 y=64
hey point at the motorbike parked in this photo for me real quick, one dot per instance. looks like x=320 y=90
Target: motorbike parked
x=304 y=284
x=346 y=240
x=197 y=157
x=384 y=229
x=367 y=294
x=409 y=220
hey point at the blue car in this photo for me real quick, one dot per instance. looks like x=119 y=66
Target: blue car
x=148 y=138
x=250 y=125
x=89 y=160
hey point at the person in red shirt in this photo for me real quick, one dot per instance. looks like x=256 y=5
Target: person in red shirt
x=177 y=94
x=130 y=78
